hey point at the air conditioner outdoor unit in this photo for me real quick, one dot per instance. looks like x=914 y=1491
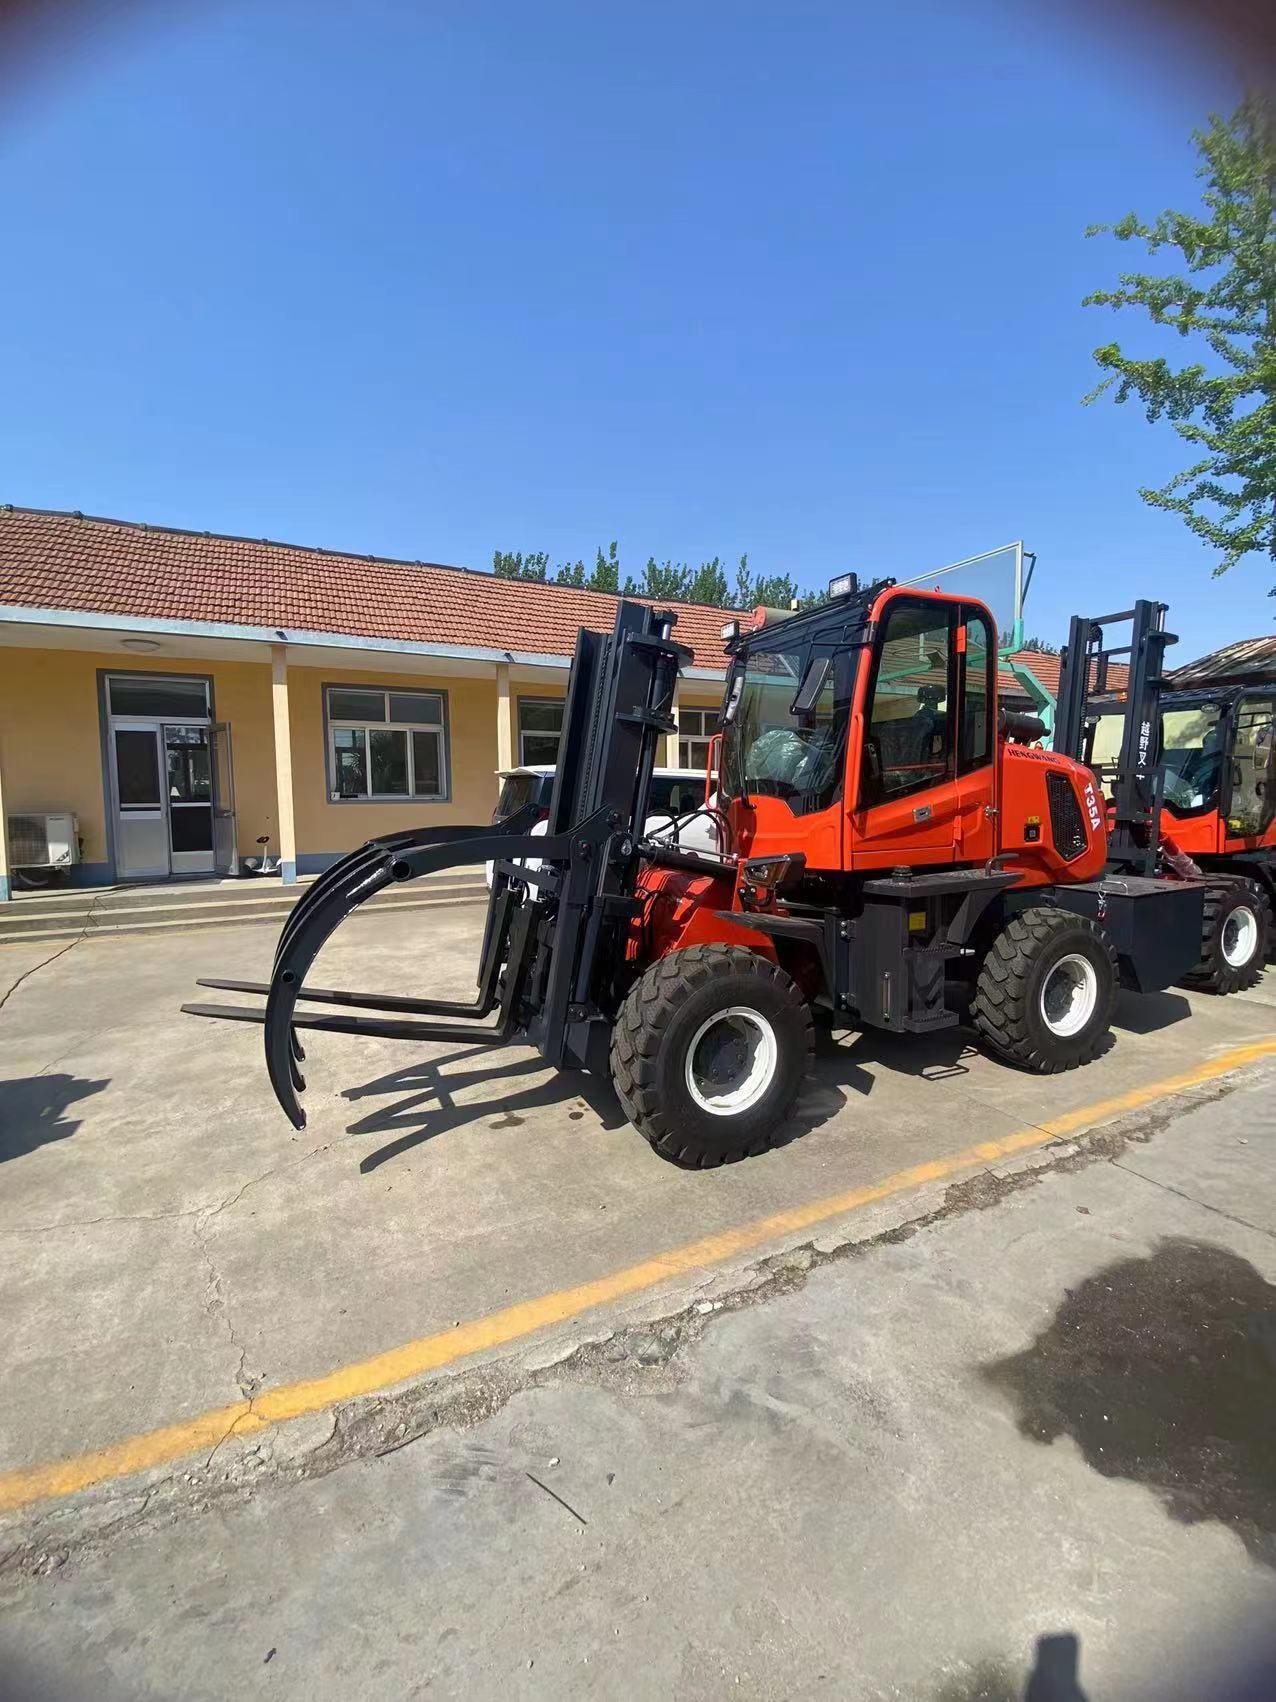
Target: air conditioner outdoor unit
x=43 y=842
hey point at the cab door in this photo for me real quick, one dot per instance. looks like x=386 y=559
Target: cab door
x=927 y=744
x=975 y=835
x=1249 y=816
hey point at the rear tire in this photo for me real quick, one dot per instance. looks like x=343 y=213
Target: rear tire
x=709 y=1053
x=1046 y=991
x=1235 y=936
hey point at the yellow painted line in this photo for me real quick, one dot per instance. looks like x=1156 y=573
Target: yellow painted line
x=173 y=1442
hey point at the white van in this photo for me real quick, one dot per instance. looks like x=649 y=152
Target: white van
x=676 y=795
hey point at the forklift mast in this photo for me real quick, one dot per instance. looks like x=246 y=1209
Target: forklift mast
x=1136 y=783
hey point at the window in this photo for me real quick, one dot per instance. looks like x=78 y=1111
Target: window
x=976 y=727
x=158 y=699
x=540 y=727
x=770 y=750
x=385 y=744
x=1252 y=805
x=670 y=797
x=908 y=745
x=1192 y=751
x=695 y=728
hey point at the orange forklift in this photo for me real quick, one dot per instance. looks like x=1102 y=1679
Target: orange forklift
x=1213 y=731
x=897 y=853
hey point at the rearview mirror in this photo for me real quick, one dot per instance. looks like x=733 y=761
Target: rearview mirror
x=814 y=679
x=734 y=690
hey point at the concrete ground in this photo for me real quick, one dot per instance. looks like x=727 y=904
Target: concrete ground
x=860 y=1474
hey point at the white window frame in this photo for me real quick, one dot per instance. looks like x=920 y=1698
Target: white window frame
x=558 y=703
x=339 y=724
x=689 y=742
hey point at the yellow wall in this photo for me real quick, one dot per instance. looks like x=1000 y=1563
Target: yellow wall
x=51 y=744
x=51 y=737
x=324 y=826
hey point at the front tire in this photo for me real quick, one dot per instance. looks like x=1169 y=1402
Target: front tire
x=709 y=1053
x=1235 y=936
x=1047 y=990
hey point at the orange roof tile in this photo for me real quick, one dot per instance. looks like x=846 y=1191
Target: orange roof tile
x=82 y=564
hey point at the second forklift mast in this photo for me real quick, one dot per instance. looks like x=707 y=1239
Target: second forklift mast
x=1136 y=784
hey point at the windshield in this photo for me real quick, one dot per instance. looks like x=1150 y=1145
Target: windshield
x=1191 y=750
x=769 y=751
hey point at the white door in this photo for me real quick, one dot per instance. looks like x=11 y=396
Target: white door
x=141 y=820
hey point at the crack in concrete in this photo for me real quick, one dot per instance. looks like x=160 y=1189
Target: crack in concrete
x=53 y=956
x=213 y=1208
x=642 y=1357
x=215 y=1307
x=1201 y=1205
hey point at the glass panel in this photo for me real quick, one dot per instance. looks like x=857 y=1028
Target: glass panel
x=535 y=715
x=774 y=753
x=190 y=778
x=425 y=708
x=515 y=792
x=356 y=705
x=675 y=797
x=427 y=767
x=352 y=768
x=190 y=828
x=693 y=753
x=1253 y=801
x=140 y=694
x=907 y=743
x=137 y=767
x=389 y=756
x=1192 y=751
x=975 y=729
x=540 y=747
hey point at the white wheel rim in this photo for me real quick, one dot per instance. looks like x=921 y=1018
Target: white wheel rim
x=1240 y=936
x=731 y=1061
x=1069 y=994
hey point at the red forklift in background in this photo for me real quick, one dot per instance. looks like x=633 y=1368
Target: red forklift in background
x=1190 y=758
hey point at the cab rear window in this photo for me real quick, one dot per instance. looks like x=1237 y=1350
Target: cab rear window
x=517 y=791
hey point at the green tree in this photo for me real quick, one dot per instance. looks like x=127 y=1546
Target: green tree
x=1222 y=302
x=606 y=574
x=708 y=584
x=506 y=565
x=775 y=590
x=743 y=597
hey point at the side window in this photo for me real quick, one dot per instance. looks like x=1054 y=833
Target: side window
x=908 y=741
x=977 y=698
x=1252 y=806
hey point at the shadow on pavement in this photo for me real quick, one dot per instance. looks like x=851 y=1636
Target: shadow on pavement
x=1054 y=1677
x=1148 y=1013
x=32 y=1111
x=1163 y=1371
x=425 y=1103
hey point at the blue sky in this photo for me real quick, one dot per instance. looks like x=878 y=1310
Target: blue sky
x=430 y=280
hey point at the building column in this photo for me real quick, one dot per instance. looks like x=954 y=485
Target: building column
x=5 y=887
x=283 y=764
x=505 y=741
x=670 y=743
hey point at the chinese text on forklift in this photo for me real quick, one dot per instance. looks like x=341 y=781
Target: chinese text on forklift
x=896 y=852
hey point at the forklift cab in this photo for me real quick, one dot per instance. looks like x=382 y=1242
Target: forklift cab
x=865 y=735
x=1218 y=749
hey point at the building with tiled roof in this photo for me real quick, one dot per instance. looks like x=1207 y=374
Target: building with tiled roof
x=149 y=678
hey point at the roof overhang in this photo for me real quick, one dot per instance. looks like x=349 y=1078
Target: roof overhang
x=77 y=629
